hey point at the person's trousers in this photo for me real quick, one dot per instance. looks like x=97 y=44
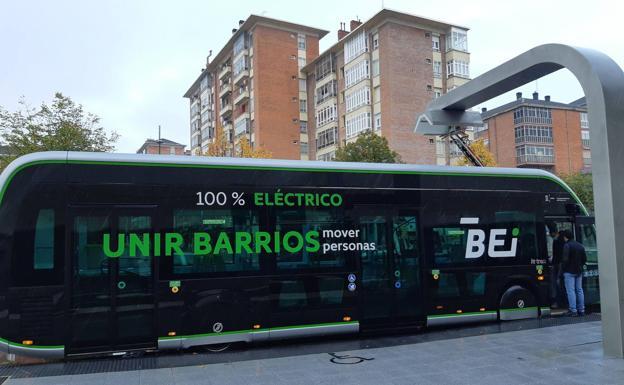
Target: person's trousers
x=574 y=289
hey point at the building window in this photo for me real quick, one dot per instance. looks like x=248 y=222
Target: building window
x=376 y=41
x=584 y=120
x=378 y=121
x=302 y=62
x=535 y=154
x=585 y=138
x=44 y=240
x=357 y=124
x=437 y=93
x=437 y=69
x=327 y=157
x=326 y=91
x=304 y=148
x=302 y=85
x=375 y=67
x=303 y=127
x=457 y=68
x=536 y=115
x=435 y=42
x=457 y=39
x=241 y=43
x=326 y=138
x=301 y=42
x=356 y=73
x=241 y=64
x=326 y=115
x=534 y=134
x=358 y=98
x=325 y=66
x=303 y=105
x=355 y=46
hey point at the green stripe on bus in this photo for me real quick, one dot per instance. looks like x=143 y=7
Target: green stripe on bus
x=520 y=308
x=299 y=169
x=17 y=344
x=459 y=314
x=310 y=326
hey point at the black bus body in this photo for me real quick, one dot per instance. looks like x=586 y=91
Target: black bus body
x=107 y=253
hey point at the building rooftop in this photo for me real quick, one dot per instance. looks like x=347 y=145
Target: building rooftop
x=248 y=24
x=163 y=142
x=534 y=102
x=386 y=13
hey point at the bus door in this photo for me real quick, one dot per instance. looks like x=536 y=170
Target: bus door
x=111 y=279
x=586 y=235
x=389 y=286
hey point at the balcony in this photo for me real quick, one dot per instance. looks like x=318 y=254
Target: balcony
x=225 y=71
x=585 y=143
x=242 y=97
x=226 y=110
x=225 y=89
x=535 y=159
x=533 y=139
x=244 y=74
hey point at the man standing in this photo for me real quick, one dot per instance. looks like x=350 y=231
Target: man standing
x=555 y=270
x=572 y=262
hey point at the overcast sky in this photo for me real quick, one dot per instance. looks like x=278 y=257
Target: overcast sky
x=130 y=61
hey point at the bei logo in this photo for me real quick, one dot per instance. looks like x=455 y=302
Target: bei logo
x=496 y=247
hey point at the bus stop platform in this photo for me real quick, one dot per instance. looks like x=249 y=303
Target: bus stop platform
x=547 y=351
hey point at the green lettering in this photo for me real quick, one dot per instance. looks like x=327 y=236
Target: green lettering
x=121 y=239
x=173 y=241
x=243 y=241
x=258 y=199
x=262 y=241
x=299 y=241
x=201 y=244
x=157 y=245
x=312 y=239
x=142 y=244
x=309 y=200
x=324 y=201
x=223 y=242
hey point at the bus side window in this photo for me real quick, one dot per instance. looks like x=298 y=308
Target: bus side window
x=588 y=239
x=521 y=225
x=43 y=255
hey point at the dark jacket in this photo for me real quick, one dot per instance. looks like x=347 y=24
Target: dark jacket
x=557 y=250
x=573 y=258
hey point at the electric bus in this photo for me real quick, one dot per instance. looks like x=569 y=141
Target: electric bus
x=110 y=253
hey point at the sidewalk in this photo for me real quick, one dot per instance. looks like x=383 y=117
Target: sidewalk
x=568 y=354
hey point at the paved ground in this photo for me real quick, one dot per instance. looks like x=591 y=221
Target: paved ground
x=567 y=354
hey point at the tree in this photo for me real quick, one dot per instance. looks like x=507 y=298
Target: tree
x=582 y=185
x=246 y=151
x=61 y=126
x=480 y=149
x=369 y=147
x=219 y=145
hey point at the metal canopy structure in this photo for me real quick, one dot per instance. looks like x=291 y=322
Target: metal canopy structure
x=602 y=81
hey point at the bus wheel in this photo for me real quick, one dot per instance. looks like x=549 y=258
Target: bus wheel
x=517 y=303
x=217 y=348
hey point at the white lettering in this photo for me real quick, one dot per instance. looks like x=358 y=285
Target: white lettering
x=475 y=239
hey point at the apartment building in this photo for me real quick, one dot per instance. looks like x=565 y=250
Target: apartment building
x=379 y=75
x=253 y=88
x=539 y=133
x=162 y=146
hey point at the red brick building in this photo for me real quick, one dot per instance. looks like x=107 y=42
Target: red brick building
x=254 y=88
x=270 y=84
x=379 y=76
x=162 y=146
x=538 y=133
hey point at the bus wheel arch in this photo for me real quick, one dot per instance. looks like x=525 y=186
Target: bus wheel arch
x=518 y=301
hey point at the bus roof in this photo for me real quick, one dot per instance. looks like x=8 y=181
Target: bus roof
x=71 y=157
